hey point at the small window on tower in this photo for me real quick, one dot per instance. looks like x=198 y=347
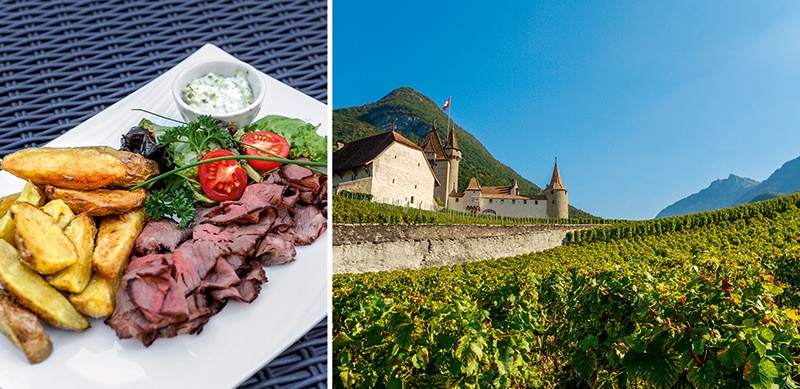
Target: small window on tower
x=392 y=180
x=415 y=187
x=554 y=201
x=513 y=201
x=535 y=202
x=412 y=199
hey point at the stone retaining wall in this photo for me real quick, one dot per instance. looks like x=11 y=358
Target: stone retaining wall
x=359 y=248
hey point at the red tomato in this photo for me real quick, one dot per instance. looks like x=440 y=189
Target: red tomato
x=222 y=180
x=269 y=141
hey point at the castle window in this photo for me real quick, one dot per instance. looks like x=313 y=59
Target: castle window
x=456 y=199
x=418 y=164
x=535 y=202
x=513 y=201
x=524 y=201
x=392 y=180
x=490 y=201
x=502 y=201
x=415 y=187
x=412 y=199
x=554 y=201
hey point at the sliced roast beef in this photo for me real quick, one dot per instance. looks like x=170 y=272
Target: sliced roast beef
x=180 y=278
x=309 y=224
x=161 y=236
x=193 y=259
x=276 y=249
x=254 y=199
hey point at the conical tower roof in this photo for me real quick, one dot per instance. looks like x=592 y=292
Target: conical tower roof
x=432 y=144
x=452 y=143
x=555 y=181
x=473 y=184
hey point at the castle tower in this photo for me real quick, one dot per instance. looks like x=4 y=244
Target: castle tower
x=437 y=158
x=556 y=195
x=453 y=154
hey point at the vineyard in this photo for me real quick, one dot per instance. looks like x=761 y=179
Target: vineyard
x=707 y=300
x=354 y=210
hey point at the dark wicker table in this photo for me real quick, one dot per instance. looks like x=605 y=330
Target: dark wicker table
x=62 y=62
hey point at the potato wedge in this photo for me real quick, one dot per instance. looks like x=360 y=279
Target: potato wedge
x=23 y=329
x=42 y=244
x=98 y=298
x=115 y=238
x=6 y=202
x=82 y=168
x=33 y=292
x=60 y=211
x=99 y=202
x=30 y=194
x=81 y=232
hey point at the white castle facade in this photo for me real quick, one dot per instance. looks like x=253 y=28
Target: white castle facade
x=395 y=170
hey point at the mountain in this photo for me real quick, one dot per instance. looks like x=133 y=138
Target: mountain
x=413 y=115
x=720 y=194
x=736 y=190
x=783 y=181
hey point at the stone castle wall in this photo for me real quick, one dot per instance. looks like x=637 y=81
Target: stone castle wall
x=375 y=247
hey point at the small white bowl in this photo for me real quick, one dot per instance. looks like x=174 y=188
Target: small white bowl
x=227 y=68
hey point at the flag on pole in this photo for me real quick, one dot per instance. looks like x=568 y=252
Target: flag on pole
x=446 y=104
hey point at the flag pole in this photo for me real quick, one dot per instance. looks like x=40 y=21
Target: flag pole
x=448 y=114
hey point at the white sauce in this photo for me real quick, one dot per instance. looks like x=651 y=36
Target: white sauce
x=216 y=94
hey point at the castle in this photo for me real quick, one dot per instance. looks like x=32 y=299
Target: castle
x=395 y=170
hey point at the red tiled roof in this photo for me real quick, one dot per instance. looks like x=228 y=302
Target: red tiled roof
x=555 y=181
x=452 y=142
x=433 y=144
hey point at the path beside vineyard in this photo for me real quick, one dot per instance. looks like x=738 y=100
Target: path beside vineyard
x=360 y=248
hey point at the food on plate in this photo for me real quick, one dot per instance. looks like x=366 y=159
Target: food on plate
x=60 y=211
x=80 y=231
x=99 y=202
x=30 y=194
x=180 y=277
x=97 y=299
x=222 y=180
x=302 y=136
x=23 y=329
x=33 y=292
x=267 y=144
x=42 y=244
x=82 y=168
x=217 y=94
x=6 y=202
x=115 y=238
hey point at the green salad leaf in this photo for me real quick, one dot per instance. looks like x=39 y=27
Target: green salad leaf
x=302 y=137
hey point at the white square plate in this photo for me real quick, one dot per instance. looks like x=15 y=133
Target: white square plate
x=235 y=343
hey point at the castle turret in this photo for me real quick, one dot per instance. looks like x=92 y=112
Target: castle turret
x=453 y=154
x=556 y=194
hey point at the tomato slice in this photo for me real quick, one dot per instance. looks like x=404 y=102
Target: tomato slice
x=222 y=180
x=269 y=141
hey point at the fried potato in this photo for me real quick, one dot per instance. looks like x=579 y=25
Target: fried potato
x=60 y=211
x=6 y=202
x=33 y=292
x=82 y=168
x=99 y=202
x=30 y=194
x=42 y=244
x=23 y=329
x=115 y=238
x=97 y=299
x=81 y=232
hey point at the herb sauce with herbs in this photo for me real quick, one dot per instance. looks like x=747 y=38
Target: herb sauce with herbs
x=216 y=94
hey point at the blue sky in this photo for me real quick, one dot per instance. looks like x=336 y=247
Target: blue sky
x=643 y=103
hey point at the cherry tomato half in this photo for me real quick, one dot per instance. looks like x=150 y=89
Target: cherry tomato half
x=269 y=141
x=222 y=180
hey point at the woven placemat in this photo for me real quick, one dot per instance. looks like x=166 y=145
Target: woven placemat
x=63 y=62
